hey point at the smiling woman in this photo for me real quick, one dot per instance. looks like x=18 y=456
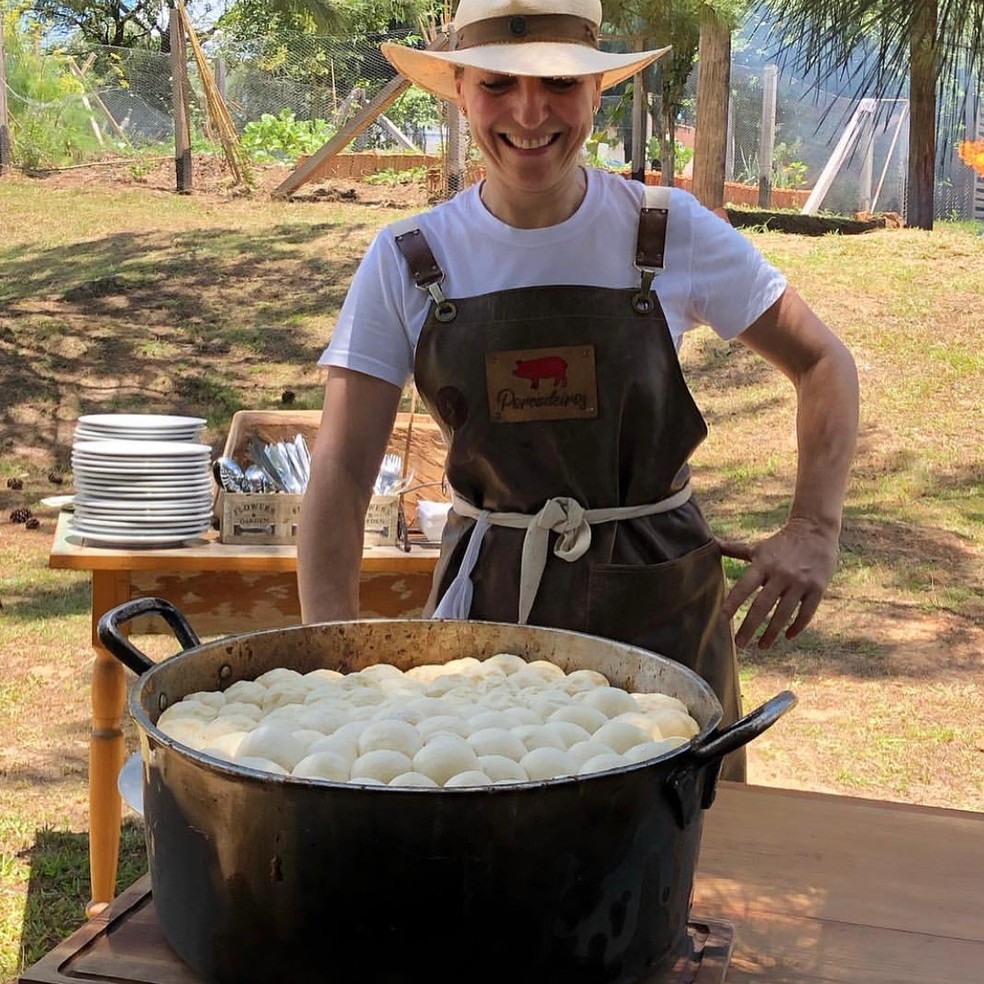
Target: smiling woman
x=539 y=314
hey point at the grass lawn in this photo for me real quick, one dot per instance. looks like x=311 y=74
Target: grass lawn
x=124 y=296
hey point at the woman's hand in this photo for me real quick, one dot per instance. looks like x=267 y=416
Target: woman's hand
x=787 y=575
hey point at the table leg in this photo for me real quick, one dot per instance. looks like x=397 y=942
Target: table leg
x=106 y=746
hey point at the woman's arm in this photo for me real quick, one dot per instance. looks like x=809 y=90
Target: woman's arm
x=789 y=571
x=356 y=423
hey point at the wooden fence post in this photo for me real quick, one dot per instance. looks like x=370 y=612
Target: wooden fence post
x=179 y=101
x=6 y=158
x=767 y=134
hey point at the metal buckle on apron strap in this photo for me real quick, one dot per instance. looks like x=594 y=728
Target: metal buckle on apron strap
x=427 y=275
x=562 y=515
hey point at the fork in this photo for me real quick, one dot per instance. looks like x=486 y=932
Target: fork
x=390 y=472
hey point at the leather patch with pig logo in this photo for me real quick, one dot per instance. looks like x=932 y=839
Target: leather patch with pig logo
x=542 y=384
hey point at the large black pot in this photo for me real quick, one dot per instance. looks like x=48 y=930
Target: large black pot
x=260 y=878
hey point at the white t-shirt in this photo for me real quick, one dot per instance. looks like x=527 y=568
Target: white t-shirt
x=712 y=276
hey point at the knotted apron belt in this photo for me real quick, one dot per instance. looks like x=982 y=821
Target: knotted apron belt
x=563 y=515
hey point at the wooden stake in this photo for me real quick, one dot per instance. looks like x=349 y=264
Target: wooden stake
x=767 y=135
x=179 y=101
x=6 y=157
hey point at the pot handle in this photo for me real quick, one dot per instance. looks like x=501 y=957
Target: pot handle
x=740 y=733
x=111 y=636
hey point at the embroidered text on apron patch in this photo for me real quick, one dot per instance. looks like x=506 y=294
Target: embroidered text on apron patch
x=542 y=384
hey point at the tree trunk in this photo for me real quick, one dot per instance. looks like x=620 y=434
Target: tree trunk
x=713 y=95
x=923 y=74
x=6 y=157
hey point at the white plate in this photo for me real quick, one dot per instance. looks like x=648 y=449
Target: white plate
x=57 y=501
x=138 y=421
x=128 y=540
x=120 y=507
x=130 y=783
x=169 y=520
x=83 y=433
x=144 y=491
x=141 y=527
x=141 y=449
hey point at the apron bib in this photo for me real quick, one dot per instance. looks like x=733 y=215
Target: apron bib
x=577 y=392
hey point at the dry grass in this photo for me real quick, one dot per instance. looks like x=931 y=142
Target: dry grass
x=131 y=297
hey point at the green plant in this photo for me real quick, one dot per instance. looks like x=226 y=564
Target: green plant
x=388 y=176
x=283 y=137
x=682 y=156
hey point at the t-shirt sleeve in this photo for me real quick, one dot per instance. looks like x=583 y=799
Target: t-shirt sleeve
x=732 y=283
x=371 y=335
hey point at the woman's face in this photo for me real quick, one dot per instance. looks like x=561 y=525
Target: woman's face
x=531 y=131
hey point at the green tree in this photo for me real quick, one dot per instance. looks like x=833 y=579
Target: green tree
x=880 y=48
x=111 y=22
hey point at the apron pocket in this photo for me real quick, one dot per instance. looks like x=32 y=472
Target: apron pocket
x=668 y=608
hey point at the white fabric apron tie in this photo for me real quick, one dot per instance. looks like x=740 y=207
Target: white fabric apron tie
x=563 y=515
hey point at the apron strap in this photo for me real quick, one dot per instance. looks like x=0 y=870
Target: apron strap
x=426 y=271
x=651 y=244
x=562 y=515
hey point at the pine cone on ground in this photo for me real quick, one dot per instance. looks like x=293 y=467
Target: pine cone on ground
x=55 y=478
x=15 y=483
x=21 y=515
x=33 y=523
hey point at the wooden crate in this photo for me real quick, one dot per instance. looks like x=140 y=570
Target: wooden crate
x=273 y=518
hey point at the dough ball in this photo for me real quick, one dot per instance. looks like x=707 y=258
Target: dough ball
x=377 y=672
x=426 y=673
x=383 y=764
x=568 y=733
x=499 y=699
x=413 y=779
x=584 y=751
x=323 y=765
x=468 y=666
x=527 y=678
x=398 y=710
x=440 y=685
x=548 y=702
x=472 y=777
x=653 y=749
x=546 y=670
x=537 y=736
x=619 y=736
x=443 y=724
x=323 y=674
x=307 y=737
x=247 y=691
x=580 y=681
x=286 y=692
x=521 y=715
x=611 y=701
x=324 y=719
x=340 y=745
x=240 y=707
x=507 y=662
x=186 y=711
x=547 y=763
x=444 y=757
x=225 y=746
x=488 y=670
x=501 y=769
x=226 y=724
x=497 y=741
x=287 y=714
x=368 y=697
x=261 y=764
x=489 y=719
x=351 y=729
x=589 y=718
x=673 y=723
x=211 y=698
x=650 y=702
x=273 y=742
x=280 y=674
x=602 y=763
x=188 y=731
x=396 y=735
x=644 y=722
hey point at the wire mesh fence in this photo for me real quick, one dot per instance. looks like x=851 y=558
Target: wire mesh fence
x=288 y=94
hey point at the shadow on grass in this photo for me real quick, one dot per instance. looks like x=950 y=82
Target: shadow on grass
x=195 y=323
x=36 y=603
x=58 y=889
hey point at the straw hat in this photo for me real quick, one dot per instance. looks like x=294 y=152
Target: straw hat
x=545 y=38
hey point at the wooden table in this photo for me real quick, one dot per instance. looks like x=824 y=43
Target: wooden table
x=820 y=890
x=222 y=589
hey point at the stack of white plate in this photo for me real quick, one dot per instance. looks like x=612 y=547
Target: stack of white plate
x=138 y=427
x=141 y=492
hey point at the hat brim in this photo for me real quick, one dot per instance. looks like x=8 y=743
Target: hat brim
x=434 y=70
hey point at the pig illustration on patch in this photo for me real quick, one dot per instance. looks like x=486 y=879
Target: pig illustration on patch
x=551 y=367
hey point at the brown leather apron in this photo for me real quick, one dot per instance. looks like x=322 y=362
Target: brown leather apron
x=577 y=391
